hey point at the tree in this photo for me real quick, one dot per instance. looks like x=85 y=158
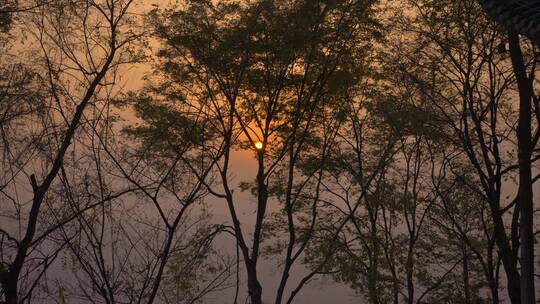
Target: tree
x=518 y=19
x=75 y=62
x=525 y=148
x=395 y=248
x=471 y=82
x=262 y=72
x=152 y=246
x=348 y=239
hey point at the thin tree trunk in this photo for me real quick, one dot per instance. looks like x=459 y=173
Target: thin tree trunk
x=525 y=193
x=507 y=257
x=466 y=283
x=254 y=286
x=492 y=279
x=410 y=274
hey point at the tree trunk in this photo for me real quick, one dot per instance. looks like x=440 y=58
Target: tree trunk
x=9 y=286
x=507 y=257
x=466 y=283
x=254 y=287
x=410 y=275
x=525 y=193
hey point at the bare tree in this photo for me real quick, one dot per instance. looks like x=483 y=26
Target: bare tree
x=75 y=61
x=155 y=246
x=465 y=216
x=470 y=81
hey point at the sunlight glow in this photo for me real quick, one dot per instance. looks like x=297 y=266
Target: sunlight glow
x=259 y=145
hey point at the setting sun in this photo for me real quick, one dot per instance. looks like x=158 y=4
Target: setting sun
x=259 y=145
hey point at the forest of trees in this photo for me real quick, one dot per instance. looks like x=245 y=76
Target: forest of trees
x=391 y=147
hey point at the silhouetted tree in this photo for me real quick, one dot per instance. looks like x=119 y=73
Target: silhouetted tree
x=471 y=84
x=68 y=74
x=263 y=72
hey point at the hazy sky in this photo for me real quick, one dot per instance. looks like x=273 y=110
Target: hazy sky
x=320 y=291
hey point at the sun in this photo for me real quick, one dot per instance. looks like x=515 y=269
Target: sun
x=259 y=145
